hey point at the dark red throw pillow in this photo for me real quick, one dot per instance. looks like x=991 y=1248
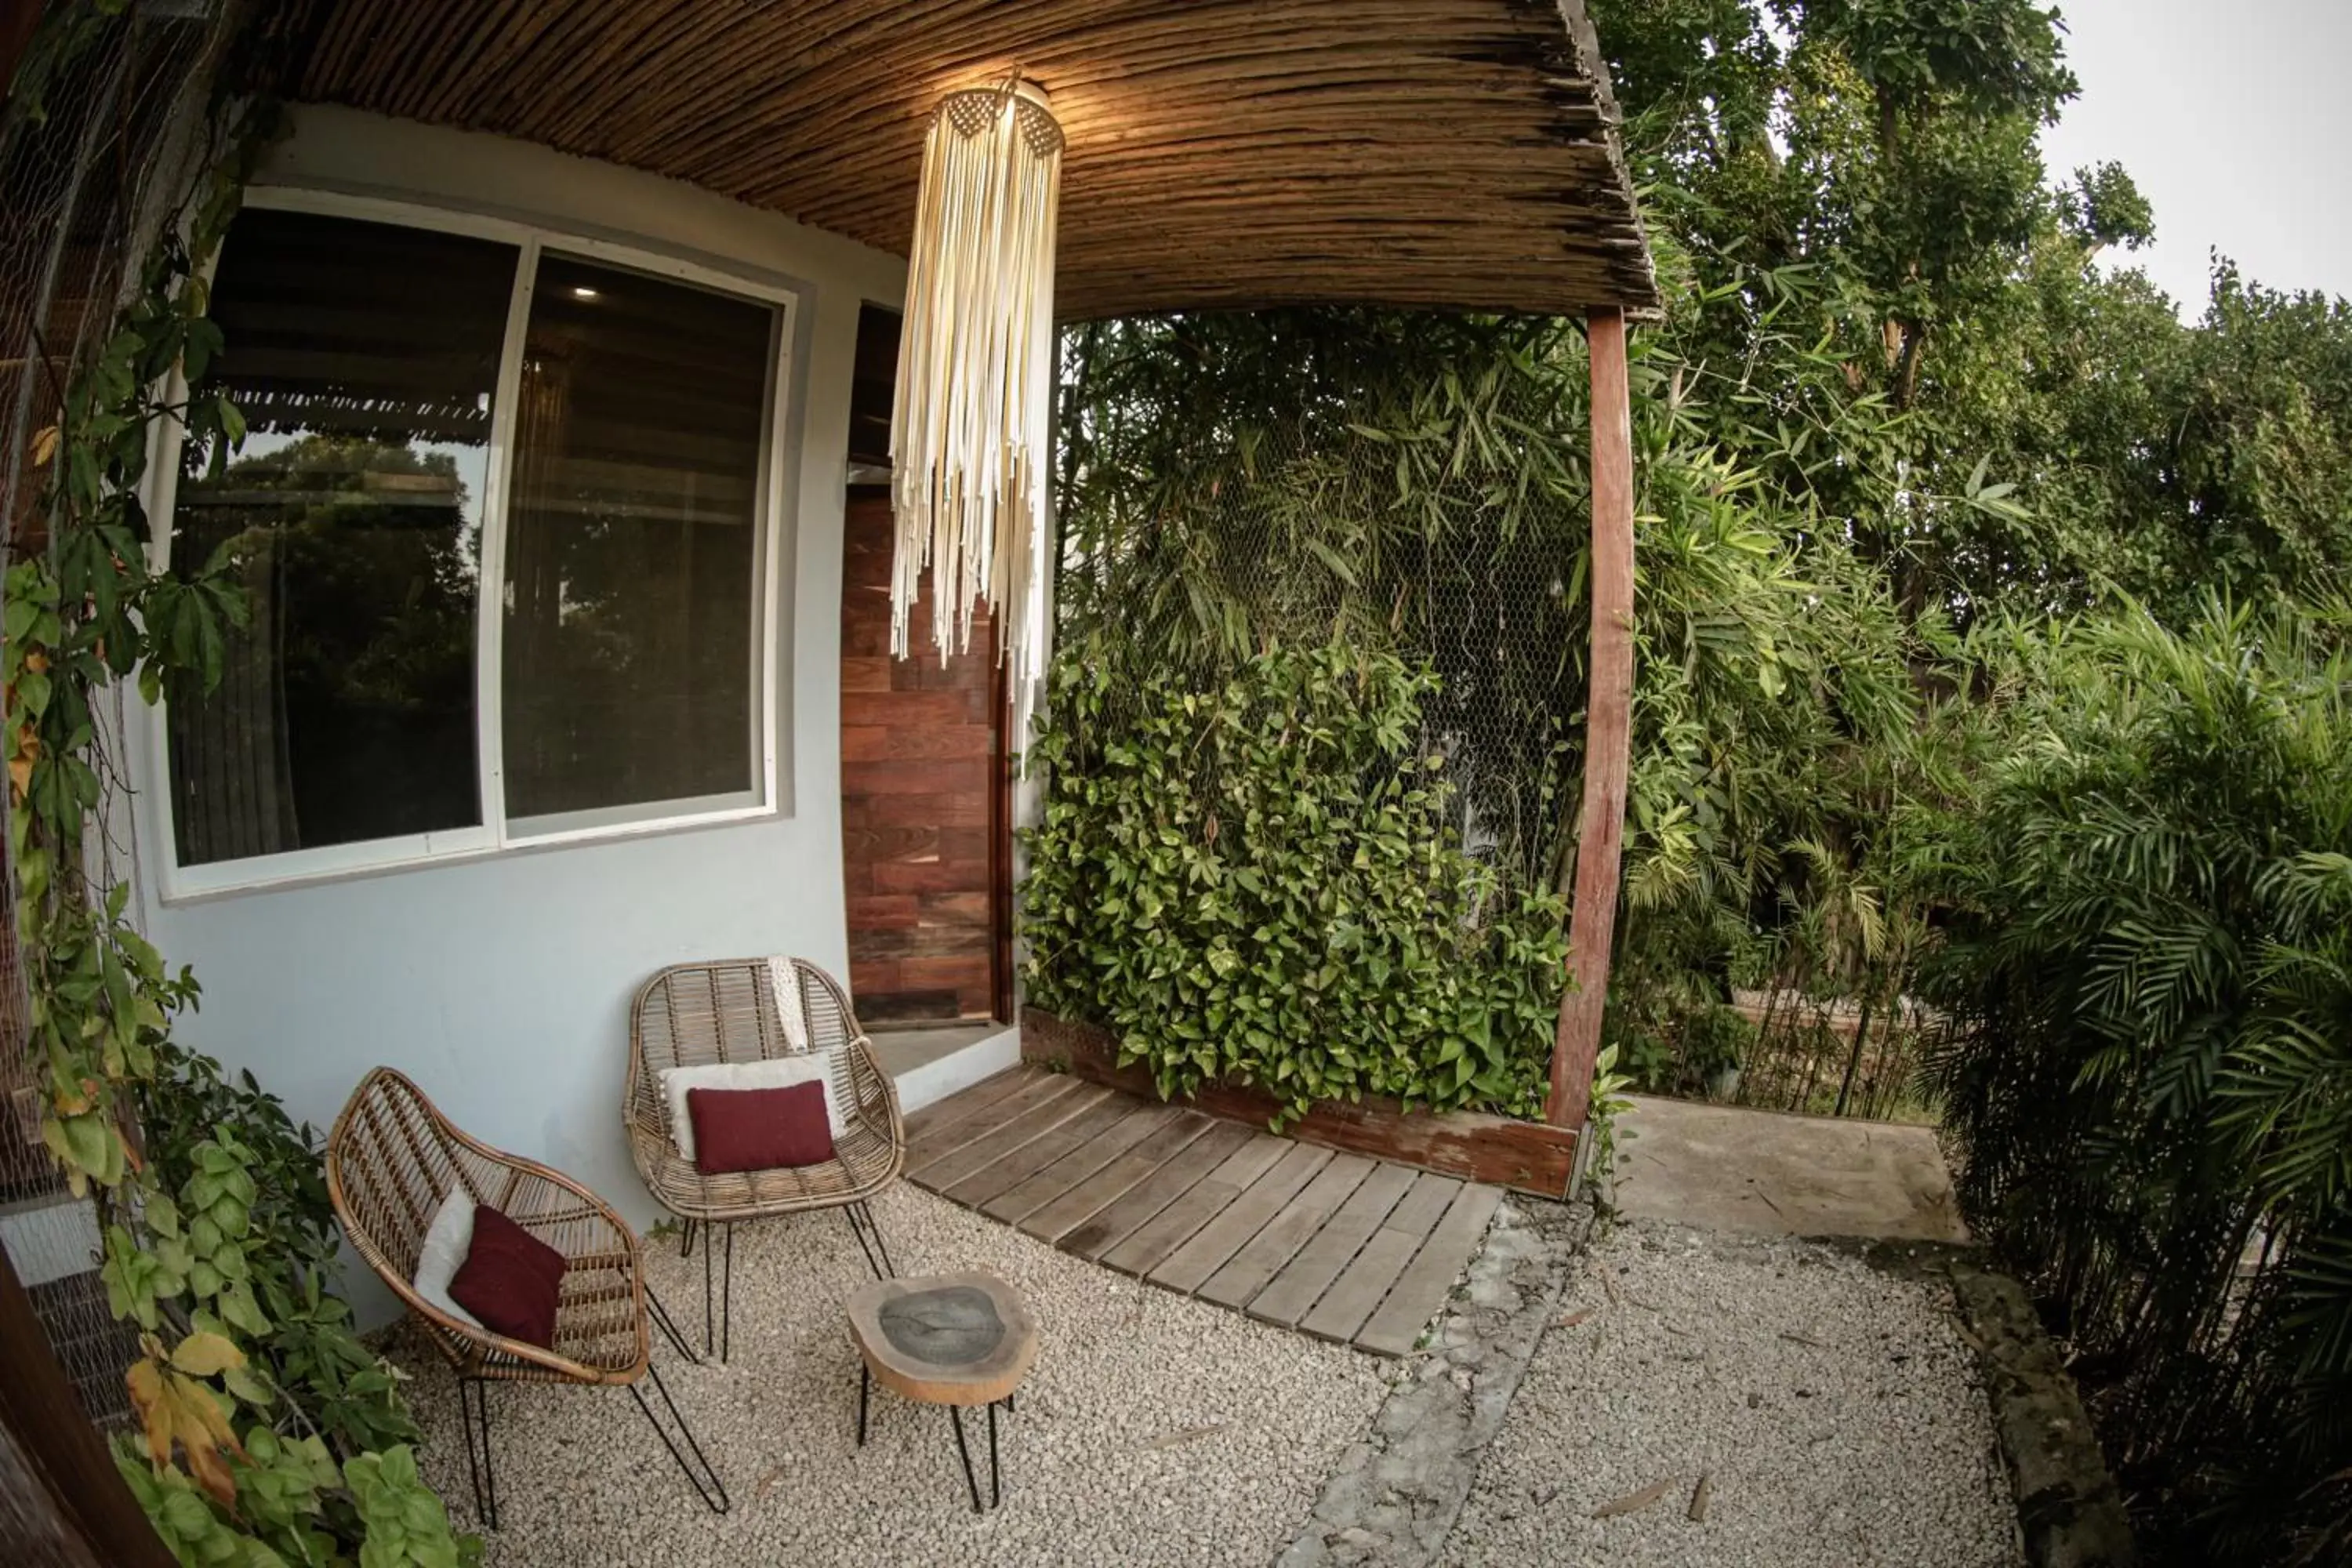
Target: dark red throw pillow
x=758 y=1129
x=511 y=1279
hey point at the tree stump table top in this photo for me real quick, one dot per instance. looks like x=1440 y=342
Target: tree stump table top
x=945 y=1339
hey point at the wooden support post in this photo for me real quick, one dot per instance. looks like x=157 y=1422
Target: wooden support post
x=1607 y=728
x=61 y=1498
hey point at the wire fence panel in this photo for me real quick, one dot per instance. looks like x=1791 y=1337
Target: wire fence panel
x=1349 y=516
x=98 y=140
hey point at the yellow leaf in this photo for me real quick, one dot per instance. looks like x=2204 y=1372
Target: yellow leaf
x=147 y=1398
x=207 y=1355
x=45 y=445
x=204 y=1432
x=172 y=1405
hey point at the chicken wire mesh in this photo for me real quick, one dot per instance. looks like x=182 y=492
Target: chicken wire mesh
x=98 y=140
x=1337 y=522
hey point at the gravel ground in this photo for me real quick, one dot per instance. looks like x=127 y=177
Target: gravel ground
x=1834 y=1408
x=1154 y=1429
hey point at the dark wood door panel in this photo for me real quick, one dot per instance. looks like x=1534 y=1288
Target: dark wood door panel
x=922 y=806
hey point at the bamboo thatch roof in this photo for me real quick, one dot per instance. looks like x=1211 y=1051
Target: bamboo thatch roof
x=1221 y=152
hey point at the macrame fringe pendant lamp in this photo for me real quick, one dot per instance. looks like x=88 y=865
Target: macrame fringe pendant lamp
x=972 y=436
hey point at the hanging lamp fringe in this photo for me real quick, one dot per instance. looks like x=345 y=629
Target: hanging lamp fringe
x=972 y=436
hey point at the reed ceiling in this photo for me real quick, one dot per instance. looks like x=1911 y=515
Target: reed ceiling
x=1222 y=153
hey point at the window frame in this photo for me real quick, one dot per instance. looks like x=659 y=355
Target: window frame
x=495 y=834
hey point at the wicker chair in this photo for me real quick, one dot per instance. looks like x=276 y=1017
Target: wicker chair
x=391 y=1161
x=693 y=1015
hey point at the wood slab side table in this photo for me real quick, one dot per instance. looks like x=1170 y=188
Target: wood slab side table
x=956 y=1339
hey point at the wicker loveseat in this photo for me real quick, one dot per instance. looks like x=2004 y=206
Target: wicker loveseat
x=699 y=1015
x=392 y=1158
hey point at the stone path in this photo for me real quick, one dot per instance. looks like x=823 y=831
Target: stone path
x=1344 y=1247
x=1764 y=1172
x=1396 y=1492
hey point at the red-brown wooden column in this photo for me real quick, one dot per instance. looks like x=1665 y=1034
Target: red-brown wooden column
x=1607 y=728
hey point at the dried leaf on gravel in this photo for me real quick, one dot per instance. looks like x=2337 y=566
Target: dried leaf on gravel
x=1189 y=1435
x=1634 y=1502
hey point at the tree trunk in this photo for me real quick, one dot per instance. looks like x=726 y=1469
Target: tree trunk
x=1853 y=1062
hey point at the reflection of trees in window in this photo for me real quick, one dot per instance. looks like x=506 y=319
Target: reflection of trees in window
x=357 y=667
x=363 y=356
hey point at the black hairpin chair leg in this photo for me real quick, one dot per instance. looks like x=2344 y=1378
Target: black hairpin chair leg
x=698 y=1472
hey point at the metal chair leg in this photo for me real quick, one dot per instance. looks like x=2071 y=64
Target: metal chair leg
x=718 y=1329
x=864 y=1386
x=686 y=1240
x=705 y=1481
x=662 y=1320
x=851 y=1212
x=995 y=1478
x=955 y=1414
x=471 y=1392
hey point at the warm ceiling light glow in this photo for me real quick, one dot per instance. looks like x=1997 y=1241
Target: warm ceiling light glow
x=582 y=291
x=972 y=436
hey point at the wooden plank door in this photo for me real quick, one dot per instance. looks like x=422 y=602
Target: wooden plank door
x=924 y=800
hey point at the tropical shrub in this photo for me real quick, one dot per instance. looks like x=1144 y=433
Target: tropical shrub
x=1264 y=883
x=2151 y=1076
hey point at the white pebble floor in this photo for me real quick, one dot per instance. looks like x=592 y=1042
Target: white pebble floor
x=1154 y=1429
x=1834 y=1409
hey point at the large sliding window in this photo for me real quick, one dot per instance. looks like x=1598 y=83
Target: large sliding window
x=629 y=664
x=501 y=519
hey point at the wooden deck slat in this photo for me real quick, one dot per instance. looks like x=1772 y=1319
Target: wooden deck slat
x=1104 y=1112
x=1214 y=1243
x=947 y=1171
x=1306 y=1277
x=1141 y=1122
x=1365 y=1283
x=1423 y=1288
x=922 y=1156
x=1252 y=1268
x=1339 y=1244
x=1150 y=1244
x=940 y=1114
x=1163 y=1186
x=1113 y=1182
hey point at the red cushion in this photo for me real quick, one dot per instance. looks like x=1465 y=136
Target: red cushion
x=758 y=1129
x=511 y=1279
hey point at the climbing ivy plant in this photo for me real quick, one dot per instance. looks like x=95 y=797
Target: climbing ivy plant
x=270 y=1434
x=1266 y=883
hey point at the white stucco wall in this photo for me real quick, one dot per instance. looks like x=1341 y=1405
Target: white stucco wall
x=501 y=984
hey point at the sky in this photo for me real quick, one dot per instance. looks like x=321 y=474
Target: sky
x=2236 y=119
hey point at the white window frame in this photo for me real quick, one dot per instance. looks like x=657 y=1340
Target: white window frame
x=495 y=834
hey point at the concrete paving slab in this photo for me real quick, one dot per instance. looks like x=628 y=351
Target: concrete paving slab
x=1766 y=1173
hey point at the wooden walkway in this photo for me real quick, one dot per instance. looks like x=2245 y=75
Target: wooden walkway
x=1340 y=1246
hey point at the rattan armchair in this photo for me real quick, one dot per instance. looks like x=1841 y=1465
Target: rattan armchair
x=695 y=1015
x=392 y=1158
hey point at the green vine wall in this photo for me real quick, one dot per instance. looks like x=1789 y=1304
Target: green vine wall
x=1265 y=882
x=268 y=1432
